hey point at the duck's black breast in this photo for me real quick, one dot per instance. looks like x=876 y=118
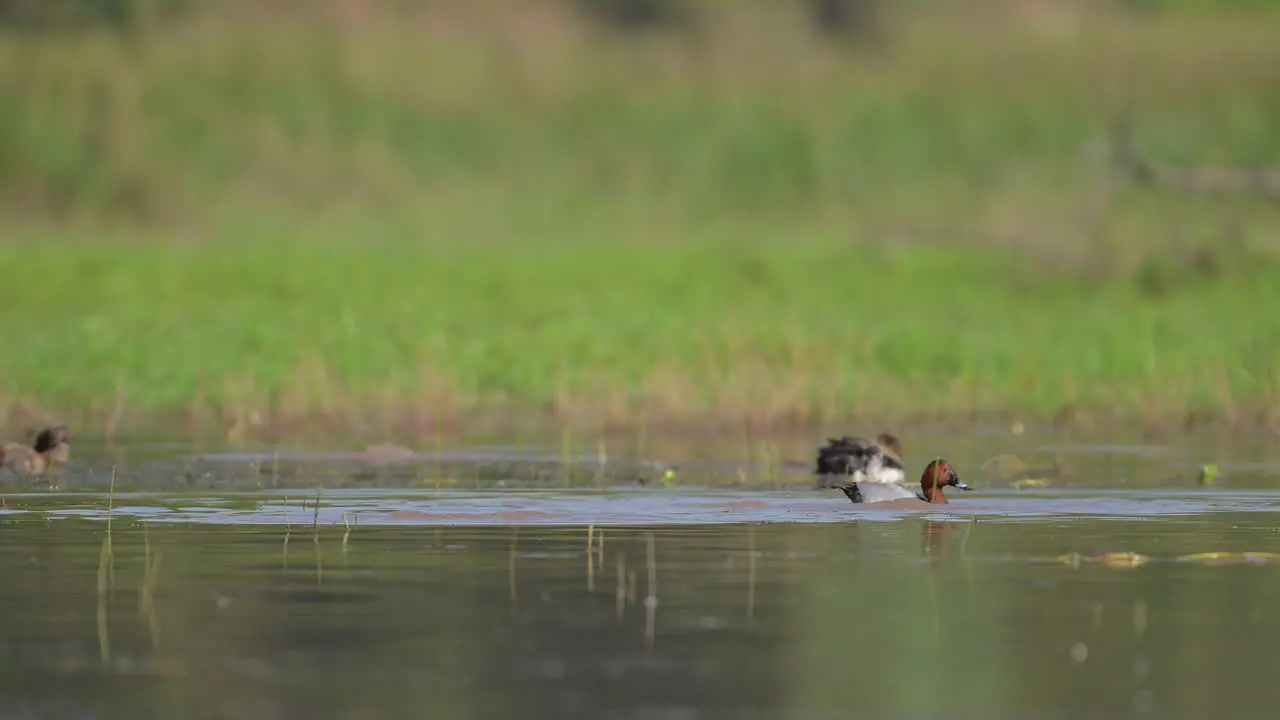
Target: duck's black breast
x=852 y=492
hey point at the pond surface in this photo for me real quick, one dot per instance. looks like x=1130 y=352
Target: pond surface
x=213 y=587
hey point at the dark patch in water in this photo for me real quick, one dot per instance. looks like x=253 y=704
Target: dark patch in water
x=312 y=597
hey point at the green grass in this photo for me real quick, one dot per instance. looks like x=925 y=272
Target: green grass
x=294 y=328
x=464 y=213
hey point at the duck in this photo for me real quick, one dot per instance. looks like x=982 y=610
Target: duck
x=937 y=475
x=853 y=459
x=1012 y=469
x=50 y=447
x=387 y=454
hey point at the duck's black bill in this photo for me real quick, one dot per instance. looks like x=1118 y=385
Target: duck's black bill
x=961 y=485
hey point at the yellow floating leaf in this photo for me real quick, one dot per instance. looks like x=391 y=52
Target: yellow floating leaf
x=1072 y=559
x=1228 y=557
x=1122 y=559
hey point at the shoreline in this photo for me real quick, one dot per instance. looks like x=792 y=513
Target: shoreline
x=583 y=429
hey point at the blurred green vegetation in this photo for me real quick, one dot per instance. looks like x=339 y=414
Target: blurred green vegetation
x=356 y=206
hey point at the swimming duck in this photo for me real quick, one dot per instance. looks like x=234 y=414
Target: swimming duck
x=50 y=447
x=387 y=453
x=936 y=476
x=853 y=459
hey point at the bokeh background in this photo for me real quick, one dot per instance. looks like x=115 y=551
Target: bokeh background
x=251 y=216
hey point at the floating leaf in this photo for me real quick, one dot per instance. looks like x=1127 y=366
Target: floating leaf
x=1223 y=558
x=1122 y=559
x=1072 y=559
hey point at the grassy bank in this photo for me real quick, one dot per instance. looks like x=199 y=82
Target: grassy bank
x=735 y=329
x=437 y=216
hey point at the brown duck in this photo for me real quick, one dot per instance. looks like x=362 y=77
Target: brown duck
x=51 y=447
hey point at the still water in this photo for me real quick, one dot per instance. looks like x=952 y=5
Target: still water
x=641 y=601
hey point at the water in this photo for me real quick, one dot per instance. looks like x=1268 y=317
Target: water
x=1097 y=596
